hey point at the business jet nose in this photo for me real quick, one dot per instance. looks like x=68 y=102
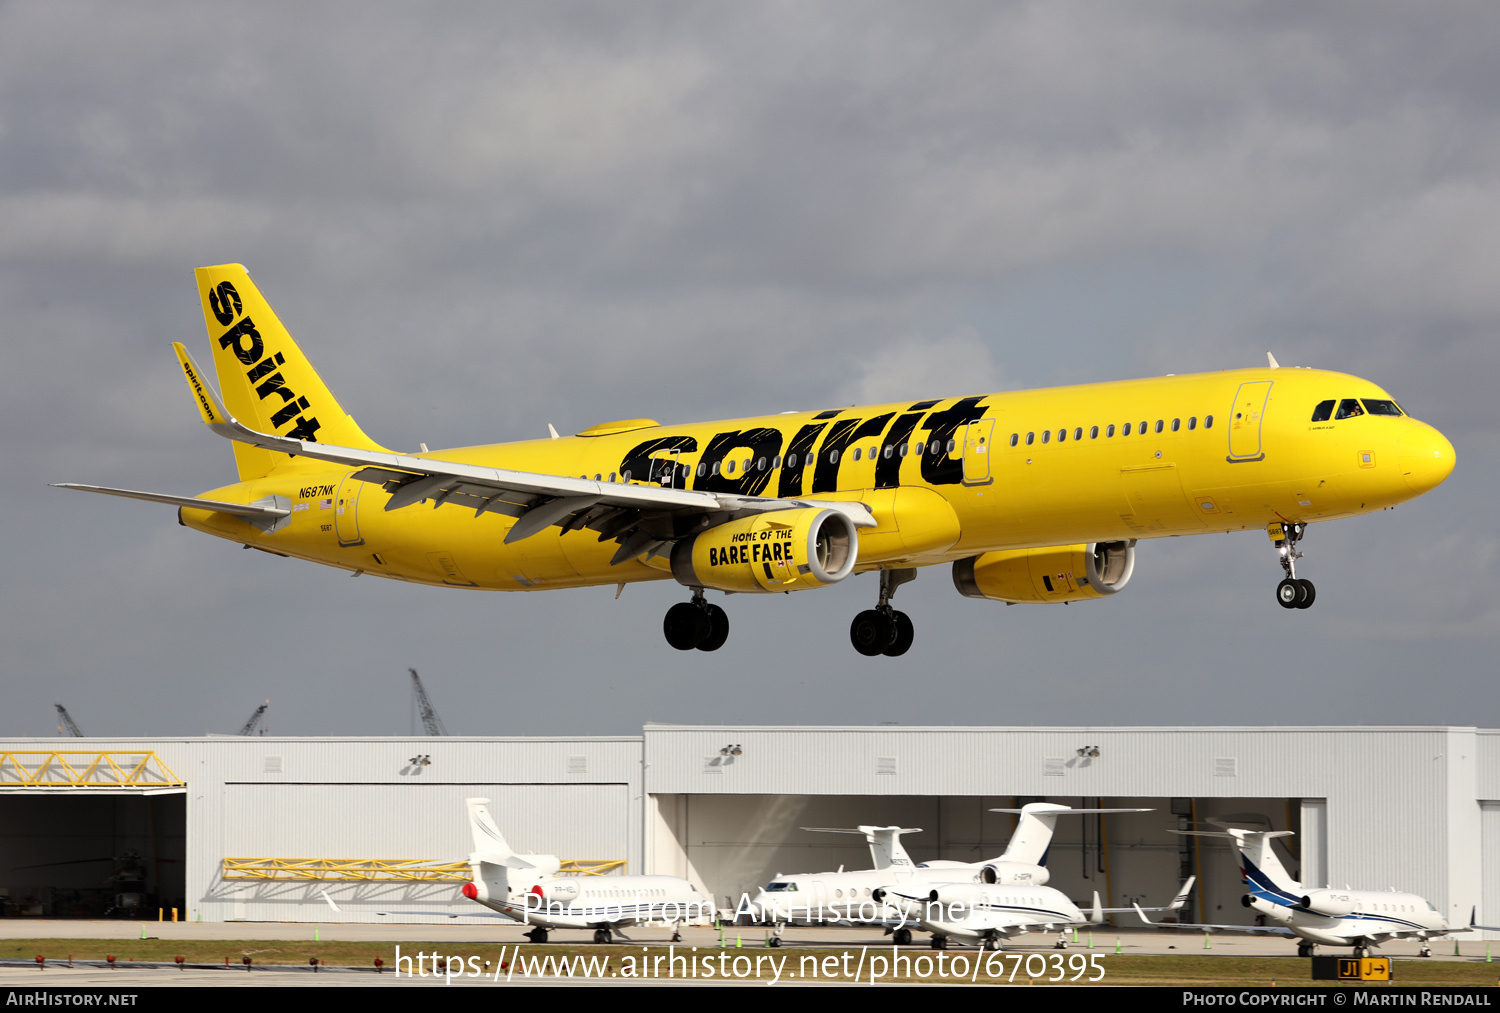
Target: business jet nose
x=1425 y=457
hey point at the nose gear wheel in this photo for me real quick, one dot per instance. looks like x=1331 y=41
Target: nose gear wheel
x=1293 y=592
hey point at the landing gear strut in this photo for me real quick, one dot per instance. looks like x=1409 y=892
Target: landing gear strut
x=1291 y=593
x=696 y=624
x=883 y=630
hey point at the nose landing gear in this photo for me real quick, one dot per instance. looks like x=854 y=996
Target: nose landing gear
x=696 y=624
x=1291 y=593
x=883 y=630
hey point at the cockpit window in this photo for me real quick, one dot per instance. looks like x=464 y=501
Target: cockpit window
x=1323 y=412
x=1349 y=408
x=1375 y=407
x=781 y=888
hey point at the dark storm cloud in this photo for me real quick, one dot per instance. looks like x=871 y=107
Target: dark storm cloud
x=482 y=218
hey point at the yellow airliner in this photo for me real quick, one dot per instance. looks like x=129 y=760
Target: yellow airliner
x=1031 y=496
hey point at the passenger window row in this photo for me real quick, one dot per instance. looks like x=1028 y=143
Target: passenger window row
x=1109 y=431
x=1353 y=407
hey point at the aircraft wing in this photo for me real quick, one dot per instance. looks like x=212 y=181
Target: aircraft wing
x=1175 y=905
x=1266 y=930
x=428 y=914
x=640 y=517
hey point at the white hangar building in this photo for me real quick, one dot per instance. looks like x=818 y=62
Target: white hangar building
x=228 y=828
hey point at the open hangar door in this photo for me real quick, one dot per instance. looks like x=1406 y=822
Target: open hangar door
x=92 y=854
x=734 y=844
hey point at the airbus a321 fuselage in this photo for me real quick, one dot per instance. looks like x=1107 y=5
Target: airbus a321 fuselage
x=1034 y=496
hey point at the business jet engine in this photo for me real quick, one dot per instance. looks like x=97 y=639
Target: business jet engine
x=1331 y=903
x=779 y=550
x=1057 y=573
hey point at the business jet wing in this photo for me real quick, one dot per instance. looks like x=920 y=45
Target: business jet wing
x=1264 y=930
x=428 y=914
x=639 y=517
x=1175 y=905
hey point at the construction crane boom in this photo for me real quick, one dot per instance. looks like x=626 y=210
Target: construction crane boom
x=430 y=720
x=249 y=727
x=67 y=721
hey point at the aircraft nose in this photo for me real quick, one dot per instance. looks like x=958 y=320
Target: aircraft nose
x=1425 y=456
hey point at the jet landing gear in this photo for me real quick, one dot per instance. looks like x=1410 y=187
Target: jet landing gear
x=603 y=936
x=696 y=624
x=1304 y=949
x=537 y=935
x=883 y=630
x=1291 y=593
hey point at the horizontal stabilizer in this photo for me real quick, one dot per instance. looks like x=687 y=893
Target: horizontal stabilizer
x=264 y=510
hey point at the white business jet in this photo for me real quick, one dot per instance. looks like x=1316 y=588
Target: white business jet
x=986 y=913
x=528 y=889
x=1357 y=918
x=830 y=897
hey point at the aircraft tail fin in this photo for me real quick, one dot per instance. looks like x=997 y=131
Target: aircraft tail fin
x=489 y=843
x=886 y=849
x=1033 y=834
x=885 y=846
x=1264 y=874
x=266 y=381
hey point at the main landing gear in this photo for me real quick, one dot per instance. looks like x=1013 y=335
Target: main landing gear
x=901 y=937
x=1304 y=949
x=537 y=935
x=696 y=623
x=1291 y=593
x=883 y=630
x=603 y=936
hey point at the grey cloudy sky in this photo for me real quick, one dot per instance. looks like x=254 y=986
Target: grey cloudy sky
x=482 y=218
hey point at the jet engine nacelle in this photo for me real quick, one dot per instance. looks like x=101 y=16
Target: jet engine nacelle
x=1058 y=573
x=1014 y=874
x=1332 y=903
x=779 y=550
x=552 y=892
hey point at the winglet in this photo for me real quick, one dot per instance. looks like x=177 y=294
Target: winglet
x=210 y=408
x=1272 y=360
x=1182 y=895
x=1142 y=914
x=1096 y=916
